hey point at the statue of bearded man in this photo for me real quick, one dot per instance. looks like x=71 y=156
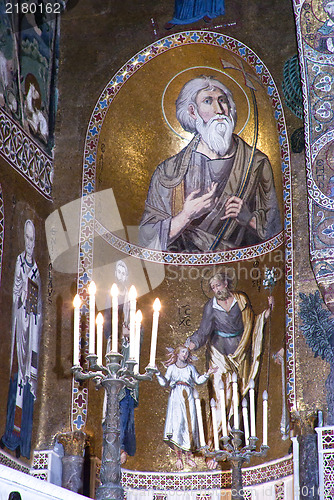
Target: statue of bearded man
x=194 y=202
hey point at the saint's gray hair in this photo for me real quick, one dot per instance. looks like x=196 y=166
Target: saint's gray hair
x=187 y=97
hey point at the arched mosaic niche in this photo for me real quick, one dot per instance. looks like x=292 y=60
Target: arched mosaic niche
x=132 y=129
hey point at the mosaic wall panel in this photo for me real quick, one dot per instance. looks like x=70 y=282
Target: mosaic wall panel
x=28 y=74
x=317 y=70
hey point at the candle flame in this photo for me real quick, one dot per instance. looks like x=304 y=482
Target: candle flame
x=195 y=393
x=265 y=396
x=77 y=301
x=213 y=403
x=156 y=305
x=139 y=316
x=221 y=385
x=132 y=293
x=244 y=403
x=114 y=290
x=99 y=319
x=92 y=288
x=251 y=384
x=234 y=378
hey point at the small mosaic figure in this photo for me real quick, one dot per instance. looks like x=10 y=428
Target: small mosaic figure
x=181 y=376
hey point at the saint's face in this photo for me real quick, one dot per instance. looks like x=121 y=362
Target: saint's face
x=329 y=8
x=211 y=103
x=218 y=286
x=29 y=240
x=183 y=354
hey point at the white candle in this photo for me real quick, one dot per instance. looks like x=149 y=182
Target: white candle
x=265 y=418
x=99 y=337
x=154 y=337
x=76 y=304
x=223 y=407
x=132 y=300
x=252 y=407
x=139 y=318
x=199 y=419
x=92 y=292
x=114 y=321
x=245 y=415
x=235 y=401
x=214 y=423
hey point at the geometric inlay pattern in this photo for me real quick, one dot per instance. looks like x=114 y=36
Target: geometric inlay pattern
x=25 y=156
x=205 y=480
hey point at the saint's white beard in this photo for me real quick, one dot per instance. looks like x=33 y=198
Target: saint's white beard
x=217 y=135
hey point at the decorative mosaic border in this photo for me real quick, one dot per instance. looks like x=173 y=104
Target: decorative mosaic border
x=317 y=135
x=314 y=192
x=206 y=480
x=25 y=156
x=188 y=259
x=85 y=265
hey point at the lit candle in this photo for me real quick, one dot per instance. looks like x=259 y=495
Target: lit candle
x=223 y=407
x=214 y=423
x=245 y=415
x=252 y=407
x=156 y=309
x=265 y=418
x=92 y=292
x=139 y=318
x=114 y=331
x=76 y=304
x=99 y=337
x=199 y=419
x=132 y=300
x=235 y=401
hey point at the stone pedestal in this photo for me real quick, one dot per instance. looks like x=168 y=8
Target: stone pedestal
x=73 y=461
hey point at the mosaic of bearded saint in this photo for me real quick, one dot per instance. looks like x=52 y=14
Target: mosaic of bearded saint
x=217 y=193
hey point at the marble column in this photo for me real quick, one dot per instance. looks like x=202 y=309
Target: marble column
x=73 y=461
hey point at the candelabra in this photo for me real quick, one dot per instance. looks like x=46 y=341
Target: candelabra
x=231 y=449
x=113 y=377
x=236 y=455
